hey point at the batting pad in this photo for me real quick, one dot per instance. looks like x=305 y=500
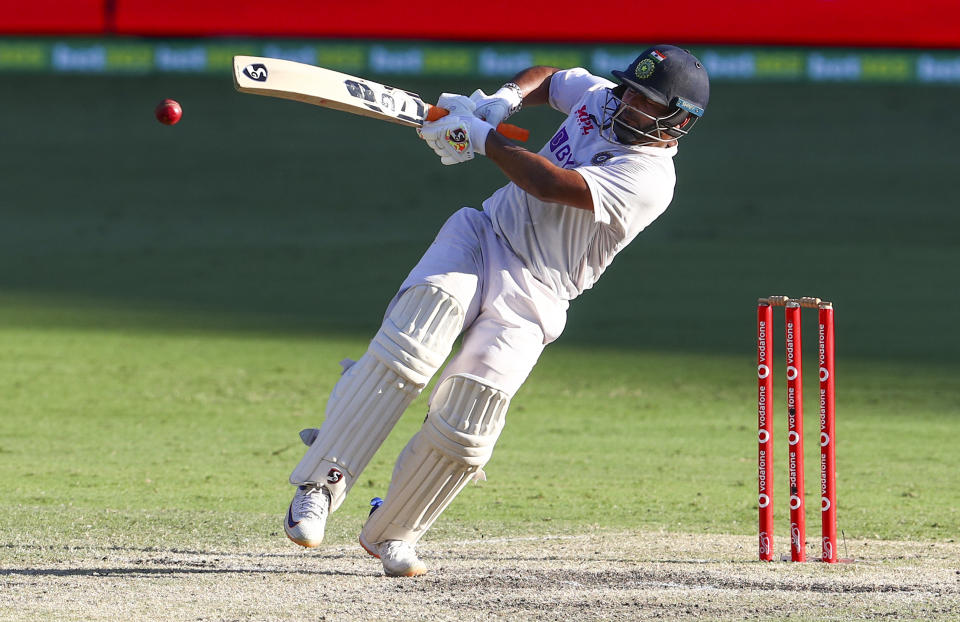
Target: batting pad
x=456 y=440
x=373 y=393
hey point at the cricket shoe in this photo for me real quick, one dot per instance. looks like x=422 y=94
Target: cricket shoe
x=399 y=558
x=307 y=515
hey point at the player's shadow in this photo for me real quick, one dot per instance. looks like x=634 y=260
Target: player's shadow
x=169 y=571
x=154 y=561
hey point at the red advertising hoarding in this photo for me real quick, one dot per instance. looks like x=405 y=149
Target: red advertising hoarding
x=37 y=17
x=922 y=23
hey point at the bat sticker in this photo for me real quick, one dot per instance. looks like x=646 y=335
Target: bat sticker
x=360 y=90
x=256 y=71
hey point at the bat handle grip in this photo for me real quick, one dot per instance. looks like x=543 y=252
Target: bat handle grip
x=507 y=129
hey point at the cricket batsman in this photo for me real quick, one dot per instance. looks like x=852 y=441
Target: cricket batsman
x=502 y=278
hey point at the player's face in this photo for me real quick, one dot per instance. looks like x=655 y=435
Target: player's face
x=638 y=103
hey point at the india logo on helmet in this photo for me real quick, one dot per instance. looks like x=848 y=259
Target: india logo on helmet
x=645 y=69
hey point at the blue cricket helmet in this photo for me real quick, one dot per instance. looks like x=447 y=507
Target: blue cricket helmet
x=673 y=77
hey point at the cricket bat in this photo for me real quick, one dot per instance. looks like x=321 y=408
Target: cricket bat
x=286 y=79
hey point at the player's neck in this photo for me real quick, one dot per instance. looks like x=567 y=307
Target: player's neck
x=663 y=144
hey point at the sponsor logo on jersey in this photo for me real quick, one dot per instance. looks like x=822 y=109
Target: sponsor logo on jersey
x=560 y=146
x=585 y=120
x=601 y=158
x=559 y=138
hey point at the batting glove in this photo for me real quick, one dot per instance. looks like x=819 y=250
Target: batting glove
x=455 y=138
x=495 y=108
x=449 y=144
x=458 y=105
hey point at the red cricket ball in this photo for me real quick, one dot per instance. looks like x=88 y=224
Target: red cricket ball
x=168 y=112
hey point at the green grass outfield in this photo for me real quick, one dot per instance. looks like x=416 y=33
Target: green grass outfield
x=174 y=302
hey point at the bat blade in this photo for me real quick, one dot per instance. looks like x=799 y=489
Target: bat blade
x=275 y=77
x=286 y=79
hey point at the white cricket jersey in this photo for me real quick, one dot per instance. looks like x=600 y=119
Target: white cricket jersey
x=569 y=248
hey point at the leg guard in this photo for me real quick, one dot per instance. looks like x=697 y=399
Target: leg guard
x=456 y=440
x=369 y=398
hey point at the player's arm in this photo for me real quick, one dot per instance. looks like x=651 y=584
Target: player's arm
x=455 y=138
x=530 y=87
x=534 y=83
x=532 y=172
x=537 y=175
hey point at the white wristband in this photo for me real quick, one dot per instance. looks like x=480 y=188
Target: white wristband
x=513 y=94
x=478 y=131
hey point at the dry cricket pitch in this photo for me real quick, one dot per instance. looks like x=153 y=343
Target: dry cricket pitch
x=628 y=576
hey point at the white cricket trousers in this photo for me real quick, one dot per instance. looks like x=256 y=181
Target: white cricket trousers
x=509 y=315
